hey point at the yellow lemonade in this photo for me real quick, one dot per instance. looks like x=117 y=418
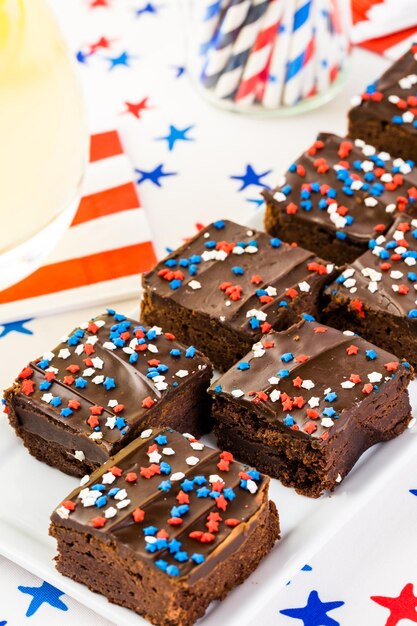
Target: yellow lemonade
x=43 y=139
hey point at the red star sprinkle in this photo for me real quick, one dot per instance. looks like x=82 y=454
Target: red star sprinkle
x=74 y=404
x=25 y=373
x=355 y=378
x=392 y=366
x=297 y=382
x=402 y=607
x=352 y=350
x=138 y=515
x=357 y=306
x=183 y=498
x=68 y=504
x=291 y=293
x=103 y=43
x=175 y=521
x=320 y=329
x=232 y=522
x=96 y=409
x=28 y=387
x=367 y=388
x=116 y=471
x=266 y=327
x=98 y=522
x=131 y=477
x=148 y=402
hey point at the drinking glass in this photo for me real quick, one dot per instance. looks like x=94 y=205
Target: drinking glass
x=43 y=137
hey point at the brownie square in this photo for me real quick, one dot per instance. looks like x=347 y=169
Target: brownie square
x=338 y=196
x=385 y=114
x=228 y=285
x=305 y=403
x=166 y=527
x=376 y=295
x=103 y=384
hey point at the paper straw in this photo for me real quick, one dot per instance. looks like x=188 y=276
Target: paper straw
x=276 y=72
x=324 y=45
x=230 y=79
x=300 y=52
x=207 y=20
x=260 y=54
x=219 y=53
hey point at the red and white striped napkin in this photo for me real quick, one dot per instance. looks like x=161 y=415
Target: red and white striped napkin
x=104 y=251
x=387 y=27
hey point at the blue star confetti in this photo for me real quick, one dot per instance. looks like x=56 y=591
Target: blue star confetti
x=413 y=492
x=315 y=611
x=176 y=134
x=16 y=327
x=154 y=175
x=179 y=70
x=123 y=59
x=256 y=201
x=45 y=594
x=3 y=623
x=250 y=177
x=149 y=8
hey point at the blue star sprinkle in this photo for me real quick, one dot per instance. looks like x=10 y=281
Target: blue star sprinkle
x=153 y=175
x=16 y=327
x=45 y=594
x=176 y=134
x=123 y=59
x=250 y=177
x=315 y=611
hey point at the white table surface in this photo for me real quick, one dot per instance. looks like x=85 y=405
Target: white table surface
x=375 y=554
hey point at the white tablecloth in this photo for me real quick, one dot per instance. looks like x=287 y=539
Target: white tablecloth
x=375 y=554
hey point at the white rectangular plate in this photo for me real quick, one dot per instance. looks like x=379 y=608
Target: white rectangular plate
x=31 y=490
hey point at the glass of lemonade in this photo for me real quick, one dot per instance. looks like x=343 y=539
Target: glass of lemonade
x=43 y=137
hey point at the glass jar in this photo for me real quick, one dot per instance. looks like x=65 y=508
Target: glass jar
x=268 y=56
x=44 y=141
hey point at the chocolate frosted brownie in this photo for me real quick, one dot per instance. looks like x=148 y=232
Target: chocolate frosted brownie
x=228 y=285
x=166 y=527
x=305 y=403
x=376 y=295
x=338 y=195
x=110 y=378
x=385 y=115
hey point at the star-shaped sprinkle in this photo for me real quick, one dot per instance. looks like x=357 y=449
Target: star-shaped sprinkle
x=136 y=108
x=45 y=594
x=149 y=7
x=315 y=611
x=153 y=175
x=124 y=58
x=16 y=327
x=176 y=134
x=250 y=177
x=402 y=607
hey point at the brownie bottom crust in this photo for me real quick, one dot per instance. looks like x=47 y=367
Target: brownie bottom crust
x=390 y=332
x=311 y=236
x=164 y=602
x=56 y=445
x=384 y=135
x=309 y=466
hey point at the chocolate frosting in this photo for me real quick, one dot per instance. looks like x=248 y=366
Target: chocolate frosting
x=237 y=275
x=172 y=485
x=346 y=187
x=384 y=277
x=286 y=379
x=393 y=97
x=103 y=380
